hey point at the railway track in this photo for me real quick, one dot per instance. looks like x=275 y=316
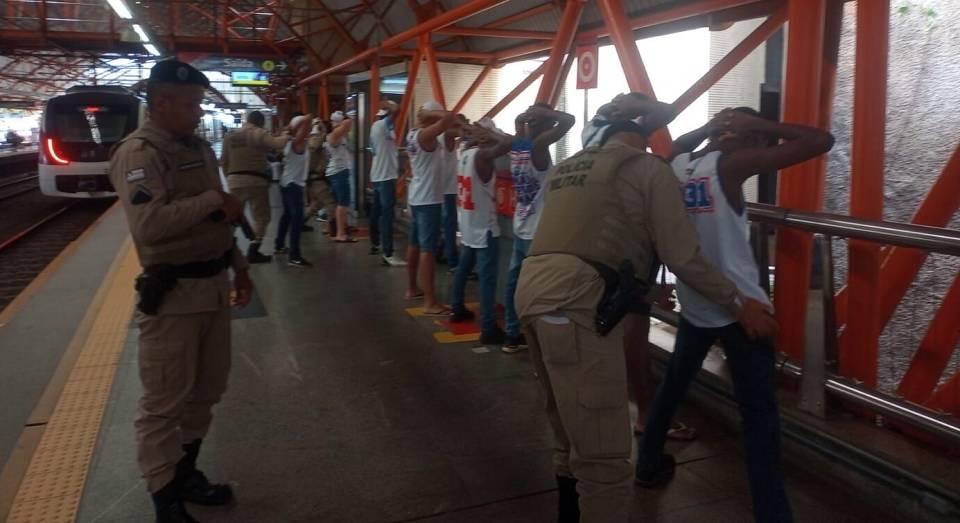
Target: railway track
x=19 y=185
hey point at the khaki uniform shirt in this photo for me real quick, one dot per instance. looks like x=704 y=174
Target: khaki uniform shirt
x=169 y=187
x=607 y=204
x=246 y=150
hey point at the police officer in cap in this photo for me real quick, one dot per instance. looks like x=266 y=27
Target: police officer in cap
x=180 y=220
x=608 y=212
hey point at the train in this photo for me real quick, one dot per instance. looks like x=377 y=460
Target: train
x=77 y=131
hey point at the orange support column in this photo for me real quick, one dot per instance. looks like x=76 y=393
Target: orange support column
x=798 y=184
x=521 y=87
x=426 y=49
x=566 y=31
x=858 y=354
x=402 y=114
x=302 y=97
x=622 y=36
x=324 y=99
x=935 y=350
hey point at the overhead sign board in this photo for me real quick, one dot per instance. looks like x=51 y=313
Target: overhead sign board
x=588 y=58
x=211 y=62
x=249 y=78
x=230 y=105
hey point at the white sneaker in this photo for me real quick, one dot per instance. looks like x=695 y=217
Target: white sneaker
x=393 y=261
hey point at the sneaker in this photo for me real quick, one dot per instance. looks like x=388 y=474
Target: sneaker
x=460 y=316
x=515 y=344
x=393 y=261
x=374 y=249
x=654 y=477
x=306 y=228
x=258 y=257
x=281 y=250
x=299 y=262
x=493 y=337
x=321 y=219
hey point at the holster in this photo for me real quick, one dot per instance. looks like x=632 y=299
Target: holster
x=622 y=292
x=157 y=280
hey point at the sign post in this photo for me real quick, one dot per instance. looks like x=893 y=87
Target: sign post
x=587 y=66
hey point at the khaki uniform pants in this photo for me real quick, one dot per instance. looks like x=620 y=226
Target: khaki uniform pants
x=320 y=197
x=584 y=378
x=184 y=363
x=259 y=198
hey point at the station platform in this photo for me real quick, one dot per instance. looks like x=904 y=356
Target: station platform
x=344 y=404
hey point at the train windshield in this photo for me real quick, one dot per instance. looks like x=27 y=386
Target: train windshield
x=85 y=132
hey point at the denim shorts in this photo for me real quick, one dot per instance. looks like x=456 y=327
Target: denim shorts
x=425 y=226
x=340 y=186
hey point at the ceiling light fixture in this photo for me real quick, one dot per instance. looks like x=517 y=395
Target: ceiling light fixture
x=143 y=34
x=120 y=8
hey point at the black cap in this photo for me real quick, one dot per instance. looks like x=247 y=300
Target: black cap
x=177 y=72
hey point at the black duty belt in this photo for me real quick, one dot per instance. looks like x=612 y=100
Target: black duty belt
x=258 y=174
x=159 y=279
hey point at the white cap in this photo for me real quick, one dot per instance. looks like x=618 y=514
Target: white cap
x=337 y=116
x=432 y=105
x=382 y=112
x=296 y=121
x=487 y=123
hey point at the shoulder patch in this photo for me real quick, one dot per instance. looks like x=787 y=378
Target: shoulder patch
x=136 y=175
x=142 y=195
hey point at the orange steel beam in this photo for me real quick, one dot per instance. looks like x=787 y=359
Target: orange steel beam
x=622 y=37
x=450 y=17
x=402 y=115
x=496 y=33
x=324 y=96
x=464 y=55
x=374 y=90
x=436 y=81
x=521 y=87
x=522 y=15
x=338 y=26
x=561 y=46
x=473 y=87
x=858 y=355
x=567 y=65
x=935 y=350
x=732 y=59
x=798 y=184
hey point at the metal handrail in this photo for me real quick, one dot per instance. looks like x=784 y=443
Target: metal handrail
x=933 y=239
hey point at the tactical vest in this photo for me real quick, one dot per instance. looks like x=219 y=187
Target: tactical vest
x=246 y=150
x=187 y=171
x=583 y=214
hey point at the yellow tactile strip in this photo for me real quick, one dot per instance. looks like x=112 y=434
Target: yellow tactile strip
x=53 y=484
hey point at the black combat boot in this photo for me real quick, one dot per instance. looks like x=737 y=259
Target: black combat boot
x=168 y=505
x=194 y=486
x=568 y=506
x=255 y=256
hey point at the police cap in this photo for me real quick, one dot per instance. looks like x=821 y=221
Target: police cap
x=177 y=72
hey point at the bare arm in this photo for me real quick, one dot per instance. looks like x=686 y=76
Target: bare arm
x=488 y=153
x=689 y=142
x=300 y=138
x=800 y=143
x=340 y=132
x=429 y=134
x=541 y=144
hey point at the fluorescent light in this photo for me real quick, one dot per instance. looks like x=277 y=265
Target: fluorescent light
x=152 y=49
x=143 y=34
x=120 y=8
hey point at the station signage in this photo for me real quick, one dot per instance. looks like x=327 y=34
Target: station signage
x=588 y=60
x=212 y=62
x=230 y=105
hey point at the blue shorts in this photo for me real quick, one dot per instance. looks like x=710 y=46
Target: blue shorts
x=340 y=186
x=425 y=226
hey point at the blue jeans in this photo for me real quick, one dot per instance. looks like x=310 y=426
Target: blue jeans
x=450 y=229
x=382 y=214
x=340 y=186
x=486 y=262
x=425 y=226
x=754 y=380
x=292 y=219
x=520 y=248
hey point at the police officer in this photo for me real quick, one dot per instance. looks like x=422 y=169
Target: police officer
x=608 y=211
x=244 y=162
x=180 y=219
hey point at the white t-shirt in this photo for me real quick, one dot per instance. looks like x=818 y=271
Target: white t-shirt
x=427 y=168
x=724 y=239
x=386 y=163
x=450 y=168
x=295 y=166
x=339 y=155
x=528 y=187
x=476 y=203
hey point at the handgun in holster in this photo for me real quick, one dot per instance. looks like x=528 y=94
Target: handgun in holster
x=622 y=292
x=155 y=282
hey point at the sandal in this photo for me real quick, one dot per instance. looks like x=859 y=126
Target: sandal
x=348 y=240
x=443 y=312
x=678 y=432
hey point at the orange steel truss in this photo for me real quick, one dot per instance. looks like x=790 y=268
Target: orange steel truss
x=879 y=277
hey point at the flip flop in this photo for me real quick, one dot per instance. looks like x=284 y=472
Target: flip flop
x=442 y=313
x=348 y=240
x=414 y=296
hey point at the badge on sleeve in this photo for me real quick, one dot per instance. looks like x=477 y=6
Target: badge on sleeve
x=135 y=175
x=141 y=195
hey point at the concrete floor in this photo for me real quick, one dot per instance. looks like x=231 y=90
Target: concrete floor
x=342 y=407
